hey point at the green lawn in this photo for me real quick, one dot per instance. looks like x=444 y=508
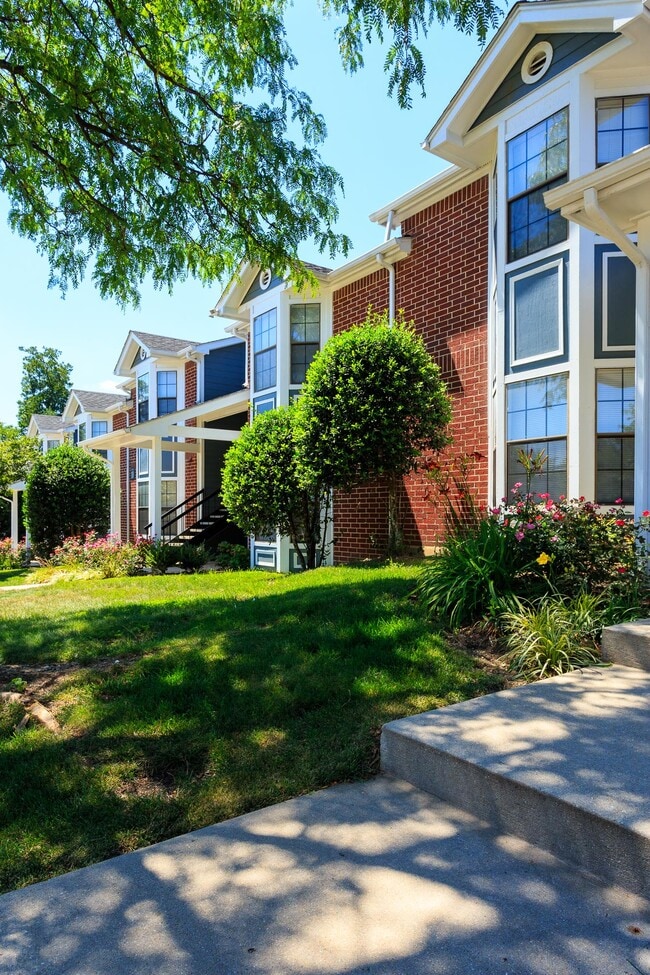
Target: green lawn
x=197 y=698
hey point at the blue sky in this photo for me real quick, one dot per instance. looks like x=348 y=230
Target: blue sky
x=372 y=143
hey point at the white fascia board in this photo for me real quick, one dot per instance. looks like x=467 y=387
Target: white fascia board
x=206 y=347
x=427 y=193
x=220 y=406
x=518 y=29
x=391 y=251
x=123 y=365
x=66 y=416
x=234 y=291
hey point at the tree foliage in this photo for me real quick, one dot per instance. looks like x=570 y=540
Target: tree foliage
x=166 y=139
x=262 y=490
x=45 y=384
x=17 y=455
x=373 y=400
x=67 y=494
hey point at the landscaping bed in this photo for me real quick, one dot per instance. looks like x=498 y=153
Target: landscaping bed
x=185 y=700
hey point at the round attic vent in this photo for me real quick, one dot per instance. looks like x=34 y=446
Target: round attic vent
x=537 y=62
x=143 y=352
x=265 y=279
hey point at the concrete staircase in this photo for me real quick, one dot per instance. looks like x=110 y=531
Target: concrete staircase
x=563 y=764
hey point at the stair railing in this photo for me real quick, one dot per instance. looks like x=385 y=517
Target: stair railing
x=175 y=520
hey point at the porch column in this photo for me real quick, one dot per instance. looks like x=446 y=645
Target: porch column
x=642 y=394
x=15 y=521
x=116 y=513
x=155 y=512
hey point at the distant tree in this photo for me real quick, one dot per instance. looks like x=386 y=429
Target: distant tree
x=372 y=402
x=17 y=455
x=67 y=493
x=262 y=491
x=45 y=383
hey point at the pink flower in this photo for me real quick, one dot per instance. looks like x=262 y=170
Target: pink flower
x=619 y=501
x=495 y=511
x=519 y=536
x=646 y=514
x=530 y=525
x=621 y=569
x=555 y=538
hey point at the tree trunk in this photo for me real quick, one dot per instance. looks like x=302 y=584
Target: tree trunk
x=395 y=537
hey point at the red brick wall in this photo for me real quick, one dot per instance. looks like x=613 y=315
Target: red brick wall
x=127 y=490
x=442 y=287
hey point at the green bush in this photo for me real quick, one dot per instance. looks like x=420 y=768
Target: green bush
x=232 y=556
x=193 y=557
x=67 y=494
x=159 y=555
x=107 y=555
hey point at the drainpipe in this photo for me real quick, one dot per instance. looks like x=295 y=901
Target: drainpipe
x=639 y=254
x=389 y=224
x=391 y=286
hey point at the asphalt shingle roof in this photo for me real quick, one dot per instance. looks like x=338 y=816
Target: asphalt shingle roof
x=163 y=343
x=91 y=401
x=48 y=423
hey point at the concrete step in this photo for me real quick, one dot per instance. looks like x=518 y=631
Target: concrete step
x=564 y=764
x=628 y=644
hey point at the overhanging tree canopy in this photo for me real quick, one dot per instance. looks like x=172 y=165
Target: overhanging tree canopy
x=153 y=138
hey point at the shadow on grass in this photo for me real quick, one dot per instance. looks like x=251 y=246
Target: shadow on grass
x=233 y=704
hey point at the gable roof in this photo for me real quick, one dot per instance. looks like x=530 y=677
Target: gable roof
x=152 y=344
x=465 y=131
x=92 y=402
x=47 y=422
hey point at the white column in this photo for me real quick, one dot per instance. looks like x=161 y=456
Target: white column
x=155 y=468
x=114 y=470
x=15 y=527
x=642 y=398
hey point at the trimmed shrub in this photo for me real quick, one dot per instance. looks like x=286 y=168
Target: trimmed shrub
x=67 y=494
x=11 y=558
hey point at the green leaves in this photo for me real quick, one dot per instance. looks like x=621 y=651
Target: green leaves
x=153 y=140
x=45 y=383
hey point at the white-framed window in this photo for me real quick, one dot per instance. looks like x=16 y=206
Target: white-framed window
x=537 y=421
x=265 y=349
x=168 y=495
x=622 y=126
x=304 y=324
x=615 y=435
x=143 y=462
x=51 y=444
x=143 y=398
x=143 y=506
x=263 y=404
x=167 y=391
x=98 y=428
x=82 y=432
x=537 y=160
x=536 y=313
x=169 y=460
x=618 y=302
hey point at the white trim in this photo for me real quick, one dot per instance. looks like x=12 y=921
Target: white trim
x=512 y=280
x=542 y=50
x=605 y=256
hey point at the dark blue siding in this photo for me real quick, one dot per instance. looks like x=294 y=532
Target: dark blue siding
x=224 y=370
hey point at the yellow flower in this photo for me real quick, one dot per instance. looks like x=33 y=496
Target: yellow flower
x=543 y=559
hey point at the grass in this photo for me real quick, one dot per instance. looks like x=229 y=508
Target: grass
x=185 y=700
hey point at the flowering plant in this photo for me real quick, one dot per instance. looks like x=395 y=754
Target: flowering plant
x=106 y=554
x=10 y=557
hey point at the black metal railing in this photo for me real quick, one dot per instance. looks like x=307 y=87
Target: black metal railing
x=177 y=520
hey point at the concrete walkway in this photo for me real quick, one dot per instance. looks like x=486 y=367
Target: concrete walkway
x=383 y=878
x=376 y=877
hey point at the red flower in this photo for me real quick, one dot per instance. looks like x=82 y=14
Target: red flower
x=621 y=523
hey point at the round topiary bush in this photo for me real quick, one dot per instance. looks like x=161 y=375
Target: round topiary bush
x=67 y=493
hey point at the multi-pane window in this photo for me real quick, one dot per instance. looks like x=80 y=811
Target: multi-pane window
x=99 y=428
x=622 y=125
x=615 y=435
x=82 y=432
x=143 y=507
x=143 y=462
x=168 y=495
x=166 y=381
x=51 y=444
x=143 y=398
x=264 y=349
x=537 y=421
x=538 y=160
x=305 y=339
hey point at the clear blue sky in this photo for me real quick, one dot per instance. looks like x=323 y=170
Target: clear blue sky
x=374 y=145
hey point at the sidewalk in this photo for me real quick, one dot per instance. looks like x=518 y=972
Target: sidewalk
x=375 y=877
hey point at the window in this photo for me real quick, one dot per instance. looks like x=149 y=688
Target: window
x=622 y=125
x=264 y=349
x=99 y=428
x=143 y=462
x=538 y=160
x=263 y=404
x=537 y=420
x=536 y=313
x=615 y=435
x=168 y=461
x=143 y=507
x=51 y=444
x=305 y=339
x=82 y=432
x=143 y=398
x=615 y=311
x=168 y=496
x=166 y=381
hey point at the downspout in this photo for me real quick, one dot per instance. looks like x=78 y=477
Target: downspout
x=391 y=286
